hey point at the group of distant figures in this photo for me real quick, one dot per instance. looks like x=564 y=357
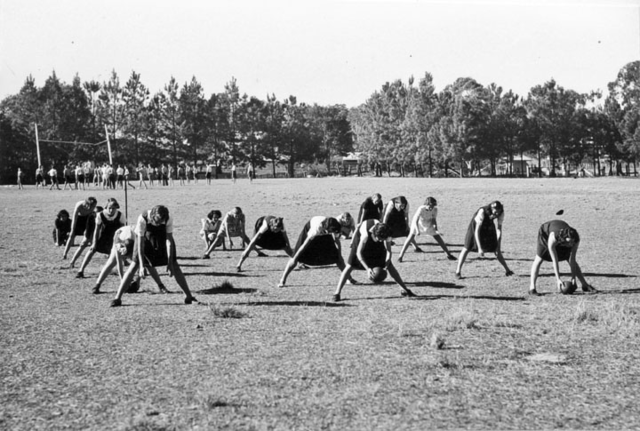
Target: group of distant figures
x=150 y=242
x=109 y=177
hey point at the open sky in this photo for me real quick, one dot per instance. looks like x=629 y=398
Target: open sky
x=321 y=51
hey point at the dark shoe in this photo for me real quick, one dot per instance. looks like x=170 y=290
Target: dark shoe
x=533 y=292
x=205 y=256
x=189 y=300
x=408 y=294
x=261 y=254
x=458 y=276
x=509 y=273
x=589 y=289
x=116 y=303
x=352 y=281
x=336 y=298
x=418 y=250
x=451 y=257
x=95 y=290
x=80 y=275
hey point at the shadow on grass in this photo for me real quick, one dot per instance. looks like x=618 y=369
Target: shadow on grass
x=618 y=291
x=436 y=284
x=227 y=291
x=596 y=274
x=493 y=298
x=295 y=304
x=220 y=274
x=592 y=274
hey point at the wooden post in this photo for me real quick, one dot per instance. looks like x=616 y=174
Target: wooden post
x=38 y=146
x=106 y=134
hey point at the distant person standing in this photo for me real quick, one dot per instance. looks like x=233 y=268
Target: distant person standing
x=484 y=235
x=66 y=174
x=209 y=173
x=165 y=174
x=79 y=173
x=20 y=178
x=53 y=175
x=40 y=177
x=250 y=172
x=371 y=208
x=142 y=176
x=234 y=174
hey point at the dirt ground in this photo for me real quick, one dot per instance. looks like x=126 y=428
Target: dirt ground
x=473 y=353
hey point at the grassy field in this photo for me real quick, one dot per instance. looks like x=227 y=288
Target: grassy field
x=475 y=353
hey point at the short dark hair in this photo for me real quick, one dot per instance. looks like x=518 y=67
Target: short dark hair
x=498 y=206
x=430 y=201
x=63 y=213
x=567 y=234
x=332 y=225
x=276 y=223
x=159 y=213
x=381 y=230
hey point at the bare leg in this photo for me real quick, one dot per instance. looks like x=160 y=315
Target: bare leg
x=217 y=242
x=444 y=247
x=105 y=271
x=346 y=274
x=287 y=270
x=85 y=262
x=577 y=272
x=461 y=259
x=124 y=283
x=410 y=239
x=535 y=270
x=503 y=263
x=68 y=245
x=182 y=282
x=77 y=254
x=393 y=272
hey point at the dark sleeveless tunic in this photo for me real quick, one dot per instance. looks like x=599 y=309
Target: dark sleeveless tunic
x=269 y=240
x=109 y=228
x=397 y=221
x=542 y=249
x=322 y=249
x=374 y=253
x=488 y=233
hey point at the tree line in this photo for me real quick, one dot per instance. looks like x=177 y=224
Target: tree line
x=409 y=127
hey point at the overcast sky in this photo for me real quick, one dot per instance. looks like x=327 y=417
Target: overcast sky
x=324 y=52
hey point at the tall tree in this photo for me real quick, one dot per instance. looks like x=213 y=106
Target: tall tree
x=193 y=116
x=135 y=96
x=623 y=107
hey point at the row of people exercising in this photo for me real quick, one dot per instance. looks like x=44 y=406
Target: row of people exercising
x=319 y=243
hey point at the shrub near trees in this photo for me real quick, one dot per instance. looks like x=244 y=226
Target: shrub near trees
x=465 y=129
